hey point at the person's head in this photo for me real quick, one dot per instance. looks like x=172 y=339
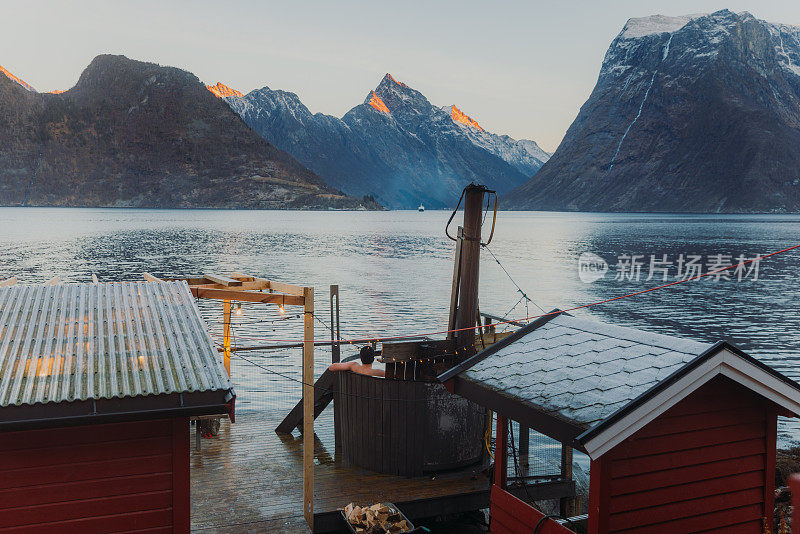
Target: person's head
x=367 y=355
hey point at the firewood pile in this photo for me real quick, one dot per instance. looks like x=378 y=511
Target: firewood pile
x=376 y=519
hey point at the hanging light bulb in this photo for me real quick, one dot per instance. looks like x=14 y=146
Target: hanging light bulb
x=281 y=309
x=238 y=310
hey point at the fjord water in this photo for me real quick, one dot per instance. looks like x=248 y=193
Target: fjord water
x=394 y=271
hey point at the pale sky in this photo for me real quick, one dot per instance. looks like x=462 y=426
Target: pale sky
x=520 y=68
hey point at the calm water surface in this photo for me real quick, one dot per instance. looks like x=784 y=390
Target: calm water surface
x=394 y=270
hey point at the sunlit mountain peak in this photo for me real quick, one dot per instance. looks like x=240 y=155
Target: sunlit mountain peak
x=459 y=116
x=221 y=90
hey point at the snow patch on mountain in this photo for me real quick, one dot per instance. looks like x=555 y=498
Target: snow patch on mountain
x=787 y=45
x=654 y=24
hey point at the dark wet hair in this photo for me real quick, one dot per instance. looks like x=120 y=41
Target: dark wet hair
x=367 y=355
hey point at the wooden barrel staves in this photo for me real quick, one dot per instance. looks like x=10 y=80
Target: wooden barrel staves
x=406 y=428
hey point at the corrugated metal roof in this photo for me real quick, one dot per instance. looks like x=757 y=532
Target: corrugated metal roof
x=71 y=342
x=582 y=371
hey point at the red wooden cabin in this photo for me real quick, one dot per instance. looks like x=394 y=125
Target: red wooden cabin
x=681 y=434
x=97 y=384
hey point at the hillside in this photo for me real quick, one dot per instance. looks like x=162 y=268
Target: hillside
x=141 y=135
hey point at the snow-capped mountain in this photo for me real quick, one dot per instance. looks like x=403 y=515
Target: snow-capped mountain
x=396 y=145
x=697 y=113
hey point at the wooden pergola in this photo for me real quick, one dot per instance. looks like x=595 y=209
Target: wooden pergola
x=245 y=288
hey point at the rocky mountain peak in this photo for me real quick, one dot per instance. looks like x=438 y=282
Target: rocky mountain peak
x=389 y=87
x=221 y=90
x=388 y=78
x=20 y=81
x=459 y=116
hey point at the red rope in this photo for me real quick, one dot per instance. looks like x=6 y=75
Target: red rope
x=439 y=332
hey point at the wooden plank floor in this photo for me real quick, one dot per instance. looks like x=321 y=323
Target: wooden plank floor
x=249 y=479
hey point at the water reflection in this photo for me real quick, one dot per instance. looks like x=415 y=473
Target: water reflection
x=394 y=268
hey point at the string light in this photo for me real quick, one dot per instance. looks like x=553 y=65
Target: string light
x=238 y=310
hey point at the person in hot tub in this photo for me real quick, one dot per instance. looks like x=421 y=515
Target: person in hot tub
x=364 y=368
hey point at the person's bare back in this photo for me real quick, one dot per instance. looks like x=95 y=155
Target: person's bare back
x=364 y=368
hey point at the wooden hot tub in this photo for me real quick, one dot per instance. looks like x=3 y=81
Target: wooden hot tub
x=407 y=428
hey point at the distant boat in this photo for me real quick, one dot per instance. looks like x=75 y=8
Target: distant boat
x=421 y=208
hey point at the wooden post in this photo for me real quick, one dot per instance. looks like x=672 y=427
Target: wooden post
x=226 y=334
x=336 y=349
x=451 y=323
x=566 y=504
x=308 y=406
x=336 y=355
x=524 y=445
x=500 y=452
x=470 y=265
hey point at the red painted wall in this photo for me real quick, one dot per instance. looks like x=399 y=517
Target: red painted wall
x=708 y=463
x=508 y=514
x=96 y=478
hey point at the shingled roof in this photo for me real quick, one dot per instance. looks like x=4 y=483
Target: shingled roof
x=569 y=377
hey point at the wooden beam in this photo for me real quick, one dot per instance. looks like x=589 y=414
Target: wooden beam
x=237 y=281
x=242 y=277
x=8 y=282
x=244 y=286
x=150 y=278
x=308 y=406
x=226 y=334
x=223 y=280
x=53 y=281
x=289 y=289
x=245 y=296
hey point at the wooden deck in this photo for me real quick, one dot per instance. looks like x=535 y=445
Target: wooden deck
x=249 y=479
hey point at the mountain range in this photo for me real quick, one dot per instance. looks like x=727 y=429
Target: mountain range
x=699 y=113
x=396 y=146
x=138 y=134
